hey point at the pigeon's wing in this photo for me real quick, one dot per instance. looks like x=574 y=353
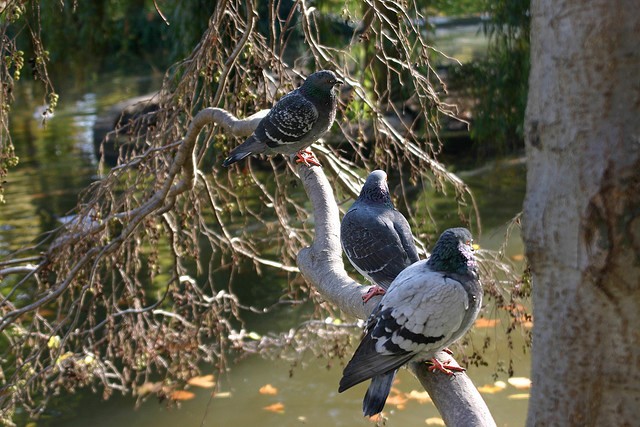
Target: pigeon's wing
x=373 y=245
x=403 y=229
x=417 y=316
x=288 y=121
x=428 y=308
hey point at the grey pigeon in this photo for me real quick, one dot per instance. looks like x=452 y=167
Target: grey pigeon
x=376 y=237
x=298 y=120
x=431 y=304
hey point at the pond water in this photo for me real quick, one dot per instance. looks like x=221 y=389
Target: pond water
x=57 y=161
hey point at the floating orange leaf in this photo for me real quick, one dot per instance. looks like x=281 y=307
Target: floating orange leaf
x=419 y=396
x=489 y=389
x=205 y=381
x=278 y=408
x=398 y=400
x=517 y=257
x=268 y=389
x=521 y=383
x=486 y=323
x=147 y=388
x=182 y=395
x=434 y=421
x=377 y=418
x=520 y=396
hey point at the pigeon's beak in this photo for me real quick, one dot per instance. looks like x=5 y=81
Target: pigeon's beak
x=338 y=82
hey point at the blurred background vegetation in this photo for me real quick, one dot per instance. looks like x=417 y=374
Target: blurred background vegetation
x=491 y=89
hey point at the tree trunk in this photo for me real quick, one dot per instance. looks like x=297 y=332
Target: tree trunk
x=582 y=212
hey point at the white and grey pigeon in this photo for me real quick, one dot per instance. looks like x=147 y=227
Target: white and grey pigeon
x=297 y=120
x=376 y=237
x=431 y=304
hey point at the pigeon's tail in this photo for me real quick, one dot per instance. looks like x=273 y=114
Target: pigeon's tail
x=377 y=393
x=250 y=146
x=234 y=157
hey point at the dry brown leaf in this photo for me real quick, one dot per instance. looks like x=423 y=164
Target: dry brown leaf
x=46 y=312
x=268 y=389
x=182 y=395
x=517 y=257
x=205 y=381
x=278 y=408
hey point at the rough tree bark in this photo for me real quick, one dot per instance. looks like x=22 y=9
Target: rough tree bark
x=582 y=212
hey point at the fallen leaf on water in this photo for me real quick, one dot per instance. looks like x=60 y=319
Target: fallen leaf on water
x=302 y=419
x=222 y=394
x=268 y=389
x=205 y=381
x=486 y=323
x=517 y=257
x=182 y=395
x=398 y=400
x=419 y=396
x=147 y=388
x=520 y=396
x=521 y=383
x=278 y=408
x=376 y=418
x=490 y=389
x=434 y=421
x=500 y=384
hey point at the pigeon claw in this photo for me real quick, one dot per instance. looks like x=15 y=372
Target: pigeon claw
x=307 y=157
x=445 y=368
x=372 y=292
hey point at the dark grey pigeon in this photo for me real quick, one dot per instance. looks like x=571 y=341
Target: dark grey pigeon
x=431 y=304
x=376 y=237
x=298 y=120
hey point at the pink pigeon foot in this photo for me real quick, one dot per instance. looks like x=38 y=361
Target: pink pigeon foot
x=307 y=157
x=445 y=368
x=372 y=292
